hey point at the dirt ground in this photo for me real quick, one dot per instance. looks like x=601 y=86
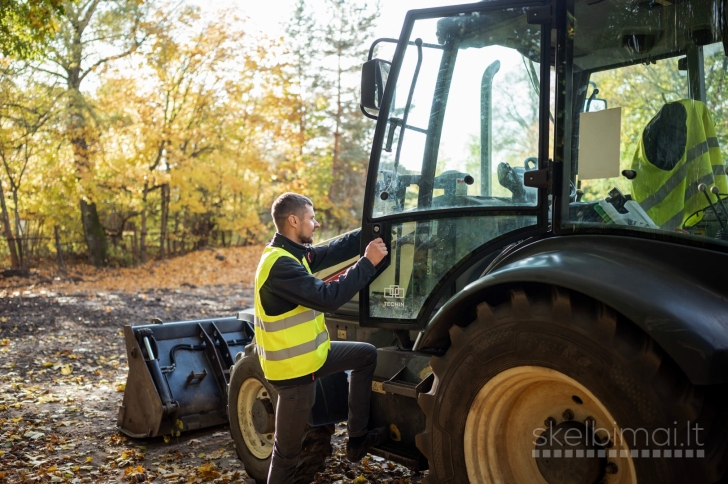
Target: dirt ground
x=63 y=368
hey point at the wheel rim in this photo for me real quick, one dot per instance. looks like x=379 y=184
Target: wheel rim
x=259 y=444
x=500 y=431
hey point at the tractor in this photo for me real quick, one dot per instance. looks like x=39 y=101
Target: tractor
x=550 y=179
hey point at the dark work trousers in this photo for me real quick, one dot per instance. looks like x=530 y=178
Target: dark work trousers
x=295 y=403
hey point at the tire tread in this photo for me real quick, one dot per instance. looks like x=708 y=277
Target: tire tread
x=601 y=324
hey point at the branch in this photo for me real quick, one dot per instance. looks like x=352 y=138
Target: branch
x=129 y=51
x=51 y=72
x=87 y=16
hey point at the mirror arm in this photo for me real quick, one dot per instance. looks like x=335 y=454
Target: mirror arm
x=367 y=113
x=395 y=41
x=374 y=44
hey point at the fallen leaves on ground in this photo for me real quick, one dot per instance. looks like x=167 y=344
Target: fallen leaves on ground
x=63 y=373
x=210 y=266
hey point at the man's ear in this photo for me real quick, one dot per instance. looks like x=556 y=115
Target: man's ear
x=293 y=220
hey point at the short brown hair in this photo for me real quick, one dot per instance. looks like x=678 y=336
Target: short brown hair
x=288 y=204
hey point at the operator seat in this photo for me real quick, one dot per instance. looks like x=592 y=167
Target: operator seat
x=678 y=150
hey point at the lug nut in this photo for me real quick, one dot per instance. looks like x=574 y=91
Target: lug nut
x=568 y=414
x=590 y=422
x=611 y=468
x=549 y=422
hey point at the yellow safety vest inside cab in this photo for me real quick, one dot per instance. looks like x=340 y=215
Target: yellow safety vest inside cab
x=677 y=152
x=292 y=344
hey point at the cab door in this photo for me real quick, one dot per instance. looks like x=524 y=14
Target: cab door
x=464 y=114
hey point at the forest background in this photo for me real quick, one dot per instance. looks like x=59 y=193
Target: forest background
x=134 y=130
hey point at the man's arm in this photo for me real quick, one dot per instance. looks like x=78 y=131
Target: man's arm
x=289 y=280
x=336 y=252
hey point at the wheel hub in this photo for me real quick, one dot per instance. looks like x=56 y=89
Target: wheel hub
x=568 y=453
x=263 y=416
x=513 y=410
x=256 y=418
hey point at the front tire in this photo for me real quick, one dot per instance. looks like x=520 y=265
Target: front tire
x=545 y=353
x=251 y=408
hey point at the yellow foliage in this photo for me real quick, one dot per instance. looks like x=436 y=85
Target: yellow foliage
x=134 y=470
x=208 y=471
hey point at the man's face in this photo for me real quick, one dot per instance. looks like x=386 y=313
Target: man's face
x=307 y=226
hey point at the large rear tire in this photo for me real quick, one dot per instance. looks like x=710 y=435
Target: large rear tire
x=251 y=407
x=540 y=353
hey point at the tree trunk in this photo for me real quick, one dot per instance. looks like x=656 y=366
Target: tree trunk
x=165 y=216
x=59 y=251
x=94 y=233
x=8 y=232
x=143 y=232
x=18 y=230
x=92 y=229
x=175 y=244
x=135 y=246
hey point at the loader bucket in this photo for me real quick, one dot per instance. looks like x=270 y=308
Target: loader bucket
x=178 y=374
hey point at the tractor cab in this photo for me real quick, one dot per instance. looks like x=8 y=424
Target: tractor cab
x=496 y=123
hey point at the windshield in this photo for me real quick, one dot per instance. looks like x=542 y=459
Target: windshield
x=650 y=132
x=463 y=122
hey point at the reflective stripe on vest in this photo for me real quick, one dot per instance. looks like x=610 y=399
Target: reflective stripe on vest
x=670 y=197
x=292 y=344
x=299 y=350
x=289 y=322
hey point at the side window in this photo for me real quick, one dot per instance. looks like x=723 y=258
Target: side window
x=651 y=141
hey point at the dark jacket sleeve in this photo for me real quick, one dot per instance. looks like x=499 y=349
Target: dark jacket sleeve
x=289 y=280
x=336 y=252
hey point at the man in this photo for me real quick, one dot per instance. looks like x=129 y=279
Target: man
x=292 y=341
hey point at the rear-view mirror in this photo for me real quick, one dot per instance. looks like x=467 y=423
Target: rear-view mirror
x=374 y=74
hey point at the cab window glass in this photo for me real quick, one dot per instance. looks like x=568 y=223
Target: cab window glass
x=422 y=254
x=651 y=112
x=463 y=123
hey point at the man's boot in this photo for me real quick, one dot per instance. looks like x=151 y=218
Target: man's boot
x=358 y=447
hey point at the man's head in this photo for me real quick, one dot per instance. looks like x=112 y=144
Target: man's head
x=294 y=217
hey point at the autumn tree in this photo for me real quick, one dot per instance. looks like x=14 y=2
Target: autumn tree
x=27 y=26
x=304 y=77
x=183 y=130
x=27 y=112
x=349 y=28
x=91 y=34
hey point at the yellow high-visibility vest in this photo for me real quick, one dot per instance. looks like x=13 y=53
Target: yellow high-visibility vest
x=670 y=197
x=292 y=344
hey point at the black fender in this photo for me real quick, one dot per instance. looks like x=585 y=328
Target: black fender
x=676 y=293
